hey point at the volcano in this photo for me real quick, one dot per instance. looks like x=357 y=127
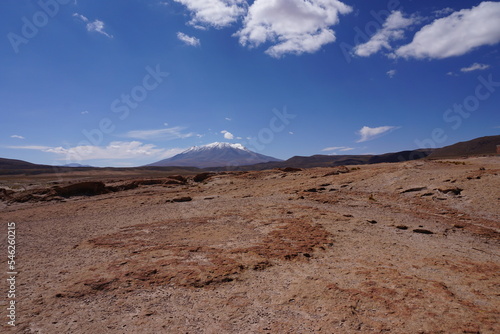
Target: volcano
x=215 y=155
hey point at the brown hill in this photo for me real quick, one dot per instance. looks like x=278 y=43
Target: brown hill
x=19 y=164
x=479 y=146
x=334 y=160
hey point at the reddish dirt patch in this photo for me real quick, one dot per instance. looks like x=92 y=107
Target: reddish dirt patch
x=192 y=254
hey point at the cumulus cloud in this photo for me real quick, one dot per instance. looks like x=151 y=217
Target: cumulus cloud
x=338 y=148
x=166 y=134
x=293 y=26
x=456 y=34
x=393 y=29
x=216 y=13
x=189 y=40
x=93 y=26
x=368 y=133
x=17 y=137
x=227 y=134
x=117 y=150
x=475 y=67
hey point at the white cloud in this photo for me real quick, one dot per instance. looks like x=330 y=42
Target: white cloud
x=94 y=26
x=227 y=134
x=17 y=137
x=475 y=67
x=228 y=119
x=391 y=73
x=368 y=133
x=84 y=112
x=81 y=17
x=216 y=13
x=456 y=34
x=189 y=40
x=117 y=150
x=393 y=29
x=29 y=147
x=167 y=134
x=338 y=148
x=98 y=26
x=291 y=133
x=293 y=26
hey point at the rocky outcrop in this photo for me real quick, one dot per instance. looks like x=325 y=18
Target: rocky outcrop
x=81 y=189
x=202 y=177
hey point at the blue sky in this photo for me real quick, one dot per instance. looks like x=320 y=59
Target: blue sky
x=130 y=82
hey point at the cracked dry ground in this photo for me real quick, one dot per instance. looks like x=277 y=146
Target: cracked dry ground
x=269 y=252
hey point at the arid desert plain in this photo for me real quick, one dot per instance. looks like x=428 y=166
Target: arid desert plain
x=409 y=247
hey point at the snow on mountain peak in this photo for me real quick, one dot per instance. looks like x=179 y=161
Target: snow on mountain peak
x=225 y=145
x=217 y=145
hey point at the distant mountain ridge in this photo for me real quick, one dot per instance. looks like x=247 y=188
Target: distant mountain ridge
x=479 y=146
x=215 y=155
x=475 y=147
x=335 y=160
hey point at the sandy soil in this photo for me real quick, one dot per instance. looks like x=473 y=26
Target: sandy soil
x=392 y=248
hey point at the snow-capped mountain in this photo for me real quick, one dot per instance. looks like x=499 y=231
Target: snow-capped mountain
x=215 y=155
